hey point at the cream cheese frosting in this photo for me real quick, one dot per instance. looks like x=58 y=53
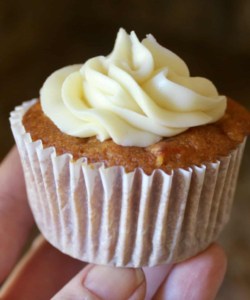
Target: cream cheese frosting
x=136 y=95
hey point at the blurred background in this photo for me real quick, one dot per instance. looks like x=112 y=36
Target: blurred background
x=213 y=38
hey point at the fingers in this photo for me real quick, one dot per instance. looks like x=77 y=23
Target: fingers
x=40 y=274
x=105 y=283
x=154 y=278
x=45 y=270
x=198 y=278
x=15 y=216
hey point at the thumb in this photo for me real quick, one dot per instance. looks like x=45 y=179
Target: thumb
x=101 y=282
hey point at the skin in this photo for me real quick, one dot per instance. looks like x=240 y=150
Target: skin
x=46 y=273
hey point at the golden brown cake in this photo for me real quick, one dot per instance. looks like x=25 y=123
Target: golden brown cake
x=196 y=146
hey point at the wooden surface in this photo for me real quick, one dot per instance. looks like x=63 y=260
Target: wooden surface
x=213 y=37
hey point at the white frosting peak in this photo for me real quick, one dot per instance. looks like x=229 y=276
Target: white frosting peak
x=138 y=94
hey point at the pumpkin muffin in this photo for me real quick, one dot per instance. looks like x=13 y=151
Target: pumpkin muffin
x=129 y=160
x=196 y=146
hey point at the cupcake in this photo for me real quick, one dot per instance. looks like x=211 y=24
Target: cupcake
x=128 y=160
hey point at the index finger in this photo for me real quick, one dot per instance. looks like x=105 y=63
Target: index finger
x=15 y=216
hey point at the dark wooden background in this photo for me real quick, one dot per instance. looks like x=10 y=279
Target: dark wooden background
x=213 y=37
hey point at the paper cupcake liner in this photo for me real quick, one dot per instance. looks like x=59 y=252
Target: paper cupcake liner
x=107 y=216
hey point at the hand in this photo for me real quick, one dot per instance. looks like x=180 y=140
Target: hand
x=45 y=273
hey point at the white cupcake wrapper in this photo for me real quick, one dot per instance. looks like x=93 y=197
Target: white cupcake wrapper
x=107 y=216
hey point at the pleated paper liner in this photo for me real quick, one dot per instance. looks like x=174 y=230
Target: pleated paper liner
x=107 y=216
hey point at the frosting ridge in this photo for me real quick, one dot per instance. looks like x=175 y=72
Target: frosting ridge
x=136 y=95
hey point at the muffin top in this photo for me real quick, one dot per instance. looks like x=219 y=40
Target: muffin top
x=195 y=146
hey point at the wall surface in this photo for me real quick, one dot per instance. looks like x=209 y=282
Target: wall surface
x=213 y=37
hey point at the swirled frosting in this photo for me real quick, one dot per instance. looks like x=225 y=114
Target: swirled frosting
x=136 y=95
